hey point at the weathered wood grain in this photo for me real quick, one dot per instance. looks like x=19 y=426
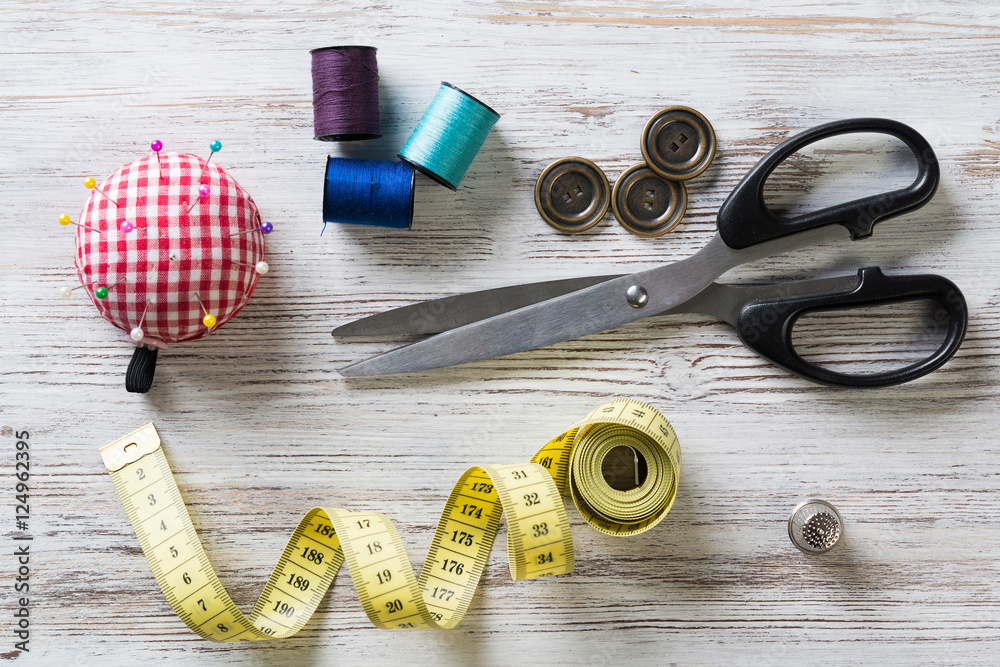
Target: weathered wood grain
x=259 y=427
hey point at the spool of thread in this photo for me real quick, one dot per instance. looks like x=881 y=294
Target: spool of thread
x=449 y=135
x=368 y=192
x=345 y=93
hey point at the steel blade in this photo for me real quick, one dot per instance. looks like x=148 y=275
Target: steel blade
x=597 y=308
x=451 y=312
x=724 y=302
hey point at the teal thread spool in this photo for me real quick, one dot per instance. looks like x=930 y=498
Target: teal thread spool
x=449 y=135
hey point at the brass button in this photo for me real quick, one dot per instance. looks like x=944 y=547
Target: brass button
x=572 y=194
x=678 y=143
x=647 y=204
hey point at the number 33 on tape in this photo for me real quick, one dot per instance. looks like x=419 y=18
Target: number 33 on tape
x=529 y=494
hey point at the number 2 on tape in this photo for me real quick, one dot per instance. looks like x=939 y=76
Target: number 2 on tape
x=529 y=494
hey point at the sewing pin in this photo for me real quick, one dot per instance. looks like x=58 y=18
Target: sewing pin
x=127 y=226
x=102 y=292
x=156 y=147
x=66 y=220
x=203 y=191
x=209 y=319
x=260 y=267
x=91 y=184
x=136 y=334
x=215 y=147
x=67 y=292
x=265 y=228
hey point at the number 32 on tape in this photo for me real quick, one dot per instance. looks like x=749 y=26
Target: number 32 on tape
x=529 y=494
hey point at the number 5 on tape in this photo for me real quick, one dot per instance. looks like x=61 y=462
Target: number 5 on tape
x=529 y=494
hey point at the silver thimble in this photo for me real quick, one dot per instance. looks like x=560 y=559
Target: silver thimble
x=815 y=526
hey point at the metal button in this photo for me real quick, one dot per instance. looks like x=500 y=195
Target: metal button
x=647 y=204
x=572 y=194
x=678 y=143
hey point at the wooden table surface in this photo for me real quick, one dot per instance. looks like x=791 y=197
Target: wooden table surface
x=259 y=427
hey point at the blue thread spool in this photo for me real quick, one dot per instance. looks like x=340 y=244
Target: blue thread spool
x=368 y=192
x=449 y=135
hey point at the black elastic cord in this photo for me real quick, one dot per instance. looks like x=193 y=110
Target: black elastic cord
x=139 y=376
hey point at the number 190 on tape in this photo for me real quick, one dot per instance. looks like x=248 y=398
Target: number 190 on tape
x=529 y=495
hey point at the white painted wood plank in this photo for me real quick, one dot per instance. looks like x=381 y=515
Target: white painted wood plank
x=259 y=427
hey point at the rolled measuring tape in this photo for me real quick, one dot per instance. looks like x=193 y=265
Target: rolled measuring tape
x=538 y=533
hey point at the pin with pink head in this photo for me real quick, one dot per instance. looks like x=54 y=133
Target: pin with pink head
x=203 y=190
x=156 y=146
x=127 y=226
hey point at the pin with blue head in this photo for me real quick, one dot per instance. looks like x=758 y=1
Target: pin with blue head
x=214 y=147
x=265 y=228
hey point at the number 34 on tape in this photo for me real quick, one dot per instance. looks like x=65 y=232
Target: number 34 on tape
x=529 y=494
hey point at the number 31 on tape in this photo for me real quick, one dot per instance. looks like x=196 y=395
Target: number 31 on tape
x=528 y=494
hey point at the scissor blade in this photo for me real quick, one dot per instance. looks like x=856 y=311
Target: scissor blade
x=724 y=302
x=451 y=312
x=592 y=309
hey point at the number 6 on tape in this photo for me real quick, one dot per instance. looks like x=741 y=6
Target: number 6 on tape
x=529 y=494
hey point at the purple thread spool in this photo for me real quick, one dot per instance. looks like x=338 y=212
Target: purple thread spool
x=345 y=93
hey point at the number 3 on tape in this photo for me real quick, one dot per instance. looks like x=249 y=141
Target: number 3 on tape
x=529 y=494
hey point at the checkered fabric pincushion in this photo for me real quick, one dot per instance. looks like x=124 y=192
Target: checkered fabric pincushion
x=171 y=255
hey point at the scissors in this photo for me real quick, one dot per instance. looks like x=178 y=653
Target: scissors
x=491 y=323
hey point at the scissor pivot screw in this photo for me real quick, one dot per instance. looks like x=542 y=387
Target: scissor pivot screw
x=636 y=296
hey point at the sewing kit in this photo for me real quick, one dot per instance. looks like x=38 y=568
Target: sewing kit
x=170 y=247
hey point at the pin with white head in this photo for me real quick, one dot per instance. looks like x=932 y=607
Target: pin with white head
x=203 y=191
x=156 y=146
x=265 y=228
x=215 y=147
x=66 y=220
x=137 y=333
x=260 y=267
x=91 y=184
x=209 y=319
x=67 y=291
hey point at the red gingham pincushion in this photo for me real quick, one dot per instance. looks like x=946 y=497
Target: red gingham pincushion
x=171 y=255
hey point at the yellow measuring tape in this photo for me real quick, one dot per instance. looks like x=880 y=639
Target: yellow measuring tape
x=538 y=534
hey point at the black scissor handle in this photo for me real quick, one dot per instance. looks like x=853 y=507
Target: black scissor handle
x=765 y=324
x=744 y=219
